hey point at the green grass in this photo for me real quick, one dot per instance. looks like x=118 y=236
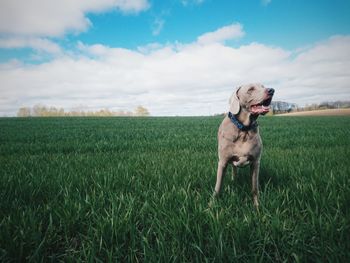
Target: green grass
x=137 y=189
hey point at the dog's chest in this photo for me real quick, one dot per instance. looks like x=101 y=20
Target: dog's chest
x=241 y=149
x=245 y=151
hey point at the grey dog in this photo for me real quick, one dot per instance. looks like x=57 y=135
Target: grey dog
x=239 y=141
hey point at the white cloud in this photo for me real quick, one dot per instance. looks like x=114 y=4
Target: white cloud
x=319 y=73
x=233 y=31
x=177 y=79
x=38 y=44
x=96 y=50
x=265 y=2
x=149 y=48
x=191 y=2
x=55 y=18
x=157 y=26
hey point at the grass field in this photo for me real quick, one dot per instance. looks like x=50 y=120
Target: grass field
x=137 y=189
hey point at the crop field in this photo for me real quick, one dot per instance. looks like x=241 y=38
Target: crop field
x=139 y=189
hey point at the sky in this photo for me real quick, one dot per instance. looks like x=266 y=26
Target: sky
x=174 y=57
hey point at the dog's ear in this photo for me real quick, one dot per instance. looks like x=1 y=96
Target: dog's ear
x=234 y=103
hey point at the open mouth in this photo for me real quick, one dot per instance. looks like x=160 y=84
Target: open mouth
x=262 y=107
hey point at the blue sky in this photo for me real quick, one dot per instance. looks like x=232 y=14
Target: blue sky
x=288 y=24
x=153 y=46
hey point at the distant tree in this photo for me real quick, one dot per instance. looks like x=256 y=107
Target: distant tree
x=52 y=111
x=44 y=111
x=103 y=113
x=61 y=112
x=39 y=110
x=141 y=111
x=23 y=112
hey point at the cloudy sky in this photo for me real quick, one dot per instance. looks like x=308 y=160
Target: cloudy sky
x=175 y=57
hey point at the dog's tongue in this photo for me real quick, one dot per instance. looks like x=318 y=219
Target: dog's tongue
x=259 y=109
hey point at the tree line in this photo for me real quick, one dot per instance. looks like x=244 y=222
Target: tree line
x=45 y=111
x=327 y=105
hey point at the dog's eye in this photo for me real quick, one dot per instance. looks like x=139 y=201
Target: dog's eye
x=251 y=89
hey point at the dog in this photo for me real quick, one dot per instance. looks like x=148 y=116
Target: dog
x=239 y=141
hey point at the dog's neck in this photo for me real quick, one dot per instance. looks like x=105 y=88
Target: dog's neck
x=248 y=124
x=244 y=117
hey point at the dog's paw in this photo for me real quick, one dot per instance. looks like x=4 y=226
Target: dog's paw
x=213 y=200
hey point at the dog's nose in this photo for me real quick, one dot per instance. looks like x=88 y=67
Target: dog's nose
x=270 y=92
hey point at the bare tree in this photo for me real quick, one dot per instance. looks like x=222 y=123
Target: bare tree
x=141 y=111
x=40 y=111
x=23 y=112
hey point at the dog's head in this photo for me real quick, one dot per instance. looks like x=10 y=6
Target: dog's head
x=254 y=98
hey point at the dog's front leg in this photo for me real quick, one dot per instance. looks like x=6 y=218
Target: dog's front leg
x=234 y=171
x=254 y=171
x=219 y=176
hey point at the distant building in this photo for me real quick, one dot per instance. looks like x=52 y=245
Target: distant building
x=282 y=106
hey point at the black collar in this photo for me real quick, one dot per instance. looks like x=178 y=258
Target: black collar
x=240 y=125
